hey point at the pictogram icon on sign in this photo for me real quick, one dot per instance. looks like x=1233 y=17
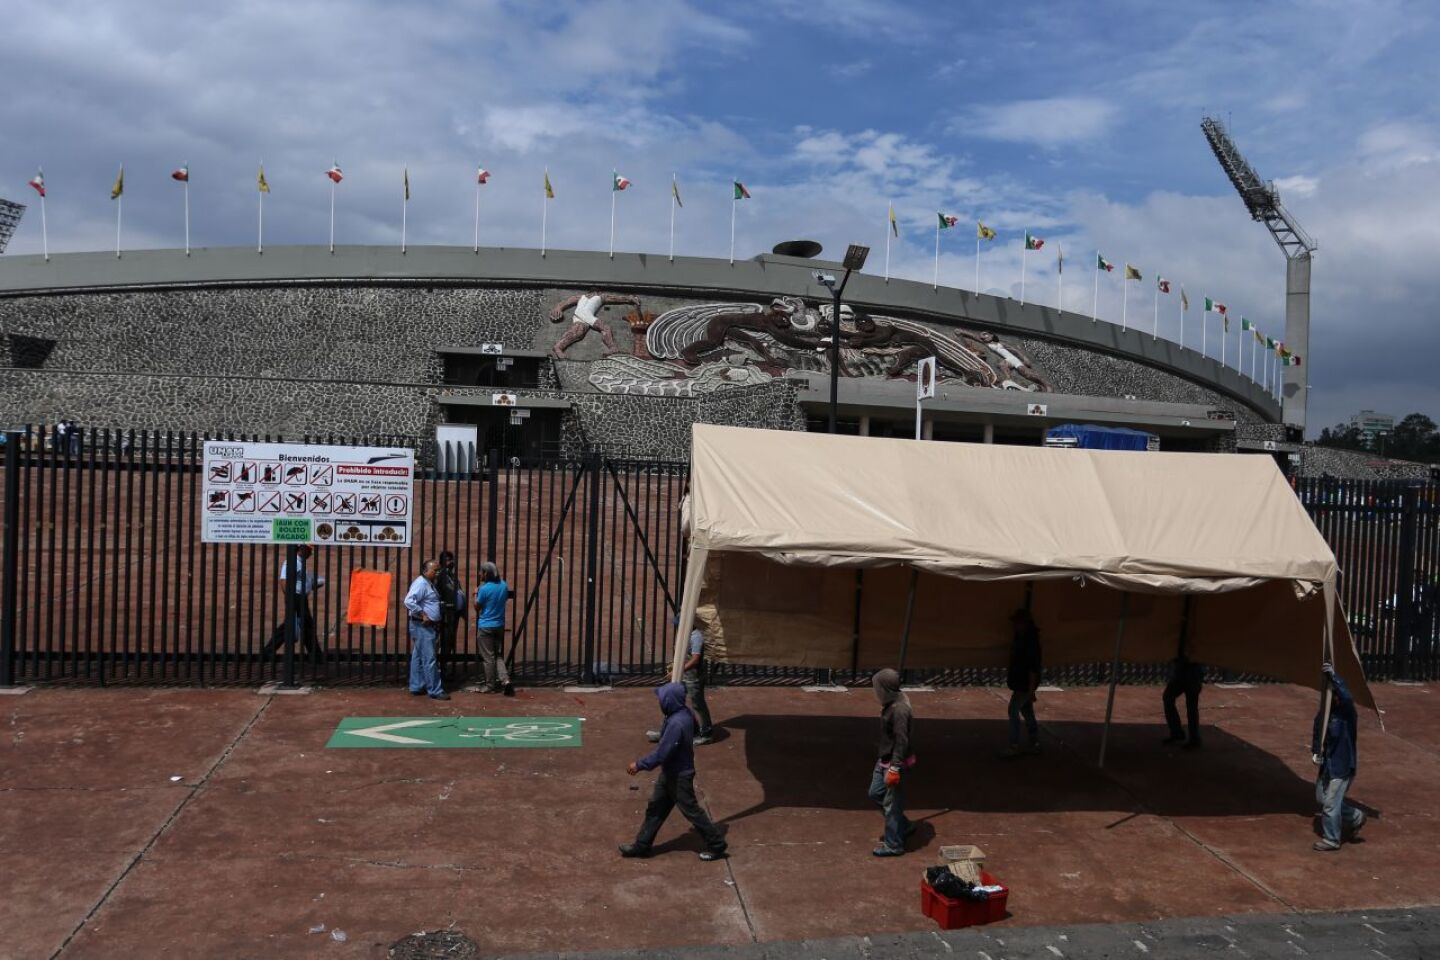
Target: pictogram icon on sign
x=395 y=505
x=319 y=502
x=218 y=501
x=244 y=471
x=270 y=472
x=370 y=505
x=243 y=501
x=295 y=503
x=220 y=472
x=295 y=476
x=345 y=503
x=270 y=502
x=322 y=475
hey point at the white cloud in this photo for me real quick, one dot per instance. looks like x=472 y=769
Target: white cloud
x=1048 y=122
x=1297 y=186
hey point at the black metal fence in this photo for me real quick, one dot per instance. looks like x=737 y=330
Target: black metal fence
x=106 y=579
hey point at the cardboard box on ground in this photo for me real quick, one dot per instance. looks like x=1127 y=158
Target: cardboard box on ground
x=965 y=860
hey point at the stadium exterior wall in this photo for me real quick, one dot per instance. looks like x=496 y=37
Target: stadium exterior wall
x=297 y=341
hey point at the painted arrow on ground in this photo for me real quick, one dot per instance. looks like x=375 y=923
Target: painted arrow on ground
x=379 y=732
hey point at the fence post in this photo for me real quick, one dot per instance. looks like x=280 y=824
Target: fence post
x=592 y=559
x=293 y=629
x=1405 y=587
x=492 y=532
x=12 y=558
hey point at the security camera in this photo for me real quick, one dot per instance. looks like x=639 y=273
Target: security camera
x=828 y=279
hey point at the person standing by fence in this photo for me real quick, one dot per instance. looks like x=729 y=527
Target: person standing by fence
x=452 y=609
x=303 y=626
x=1333 y=749
x=1023 y=679
x=422 y=605
x=490 y=602
x=1188 y=678
x=887 y=779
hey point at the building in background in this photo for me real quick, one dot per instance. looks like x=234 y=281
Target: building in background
x=10 y=214
x=1370 y=424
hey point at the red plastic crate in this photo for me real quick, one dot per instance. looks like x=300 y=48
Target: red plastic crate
x=953 y=914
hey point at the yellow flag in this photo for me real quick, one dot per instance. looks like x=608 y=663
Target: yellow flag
x=549 y=190
x=1132 y=273
x=119 y=187
x=261 y=183
x=983 y=232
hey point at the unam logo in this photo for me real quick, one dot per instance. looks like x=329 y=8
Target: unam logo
x=225 y=451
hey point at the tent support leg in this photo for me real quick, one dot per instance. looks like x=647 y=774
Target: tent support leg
x=909 y=617
x=1114 y=676
x=855 y=635
x=689 y=600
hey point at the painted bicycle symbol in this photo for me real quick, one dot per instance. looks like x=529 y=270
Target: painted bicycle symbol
x=523 y=732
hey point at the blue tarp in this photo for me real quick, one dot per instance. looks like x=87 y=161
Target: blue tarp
x=1089 y=436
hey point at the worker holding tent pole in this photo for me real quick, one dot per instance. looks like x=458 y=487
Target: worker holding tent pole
x=1333 y=747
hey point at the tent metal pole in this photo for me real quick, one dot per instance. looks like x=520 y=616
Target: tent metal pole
x=1114 y=676
x=855 y=635
x=909 y=616
x=689 y=600
x=1184 y=626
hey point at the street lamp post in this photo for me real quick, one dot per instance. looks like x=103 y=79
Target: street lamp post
x=854 y=260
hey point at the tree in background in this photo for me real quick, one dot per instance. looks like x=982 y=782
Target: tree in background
x=1414 y=438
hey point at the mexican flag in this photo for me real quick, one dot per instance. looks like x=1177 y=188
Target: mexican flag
x=618 y=182
x=38 y=182
x=482 y=175
x=1163 y=284
x=1246 y=324
x=1033 y=243
x=947 y=221
x=334 y=173
x=1215 y=306
x=1102 y=264
x=740 y=192
x=182 y=174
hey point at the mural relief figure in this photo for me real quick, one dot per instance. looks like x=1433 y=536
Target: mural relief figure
x=702 y=348
x=586 y=317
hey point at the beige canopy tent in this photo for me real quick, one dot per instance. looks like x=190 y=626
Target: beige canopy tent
x=813 y=550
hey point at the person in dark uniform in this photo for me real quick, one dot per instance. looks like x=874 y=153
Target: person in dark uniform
x=1186 y=677
x=452 y=609
x=1023 y=679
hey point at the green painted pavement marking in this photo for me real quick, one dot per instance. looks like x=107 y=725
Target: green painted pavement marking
x=421 y=733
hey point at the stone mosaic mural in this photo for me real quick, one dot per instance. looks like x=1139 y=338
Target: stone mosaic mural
x=698 y=349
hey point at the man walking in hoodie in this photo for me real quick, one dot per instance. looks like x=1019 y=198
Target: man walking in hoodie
x=887 y=779
x=675 y=785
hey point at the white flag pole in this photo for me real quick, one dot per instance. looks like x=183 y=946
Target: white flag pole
x=1223 y=320
x=1205 y=333
x=977 y=259
x=1024 y=248
x=613 y=175
x=119 y=206
x=1059 y=279
x=674 y=187
x=1182 y=317
x=544 y=212
x=734 y=202
x=1155 y=331
x=1095 y=301
x=405 y=210
x=187 y=209
x=332 y=216
x=887 y=244
x=477 y=211
x=935 y=279
x=260 y=236
x=1125 y=301
x=44 y=231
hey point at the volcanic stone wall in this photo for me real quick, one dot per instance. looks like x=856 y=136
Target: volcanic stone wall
x=357 y=360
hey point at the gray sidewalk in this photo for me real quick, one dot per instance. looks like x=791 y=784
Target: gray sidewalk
x=1374 y=935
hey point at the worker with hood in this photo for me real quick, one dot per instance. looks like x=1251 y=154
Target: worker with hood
x=887 y=779
x=675 y=785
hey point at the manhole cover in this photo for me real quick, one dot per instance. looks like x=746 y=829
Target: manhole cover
x=437 y=945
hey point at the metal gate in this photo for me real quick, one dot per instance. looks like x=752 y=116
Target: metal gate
x=106 y=580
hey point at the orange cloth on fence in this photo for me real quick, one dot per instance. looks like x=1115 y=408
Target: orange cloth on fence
x=369 y=599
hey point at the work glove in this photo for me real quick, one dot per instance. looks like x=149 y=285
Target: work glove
x=892 y=777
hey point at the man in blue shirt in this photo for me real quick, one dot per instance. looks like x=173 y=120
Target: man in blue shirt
x=422 y=605
x=490 y=602
x=675 y=786
x=303 y=627
x=693 y=675
x=1333 y=747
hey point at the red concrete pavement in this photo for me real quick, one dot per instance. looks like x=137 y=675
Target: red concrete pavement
x=267 y=834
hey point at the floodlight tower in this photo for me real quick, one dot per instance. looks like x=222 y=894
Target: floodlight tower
x=1263 y=201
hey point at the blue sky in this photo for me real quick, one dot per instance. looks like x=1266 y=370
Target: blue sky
x=1079 y=121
